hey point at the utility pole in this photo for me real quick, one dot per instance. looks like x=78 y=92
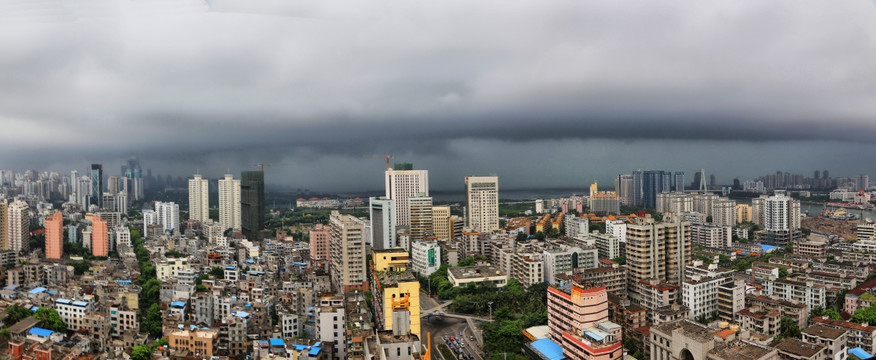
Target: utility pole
x=491 y=310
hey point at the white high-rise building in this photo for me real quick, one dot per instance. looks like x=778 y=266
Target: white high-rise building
x=482 y=203
x=123 y=237
x=402 y=185
x=168 y=215
x=18 y=226
x=382 y=211
x=229 y=203
x=199 y=199
x=781 y=213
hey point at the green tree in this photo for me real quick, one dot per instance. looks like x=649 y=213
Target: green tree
x=141 y=352
x=17 y=313
x=152 y=322
x=540 y=236
x=80 y=267
x=788 y=328
x=49 y=319
x=522 y=236
x=783 y=273
x=217 y=272
x=621 y=260
x=865 y=315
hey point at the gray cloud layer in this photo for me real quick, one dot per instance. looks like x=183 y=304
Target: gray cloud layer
x=238 y=81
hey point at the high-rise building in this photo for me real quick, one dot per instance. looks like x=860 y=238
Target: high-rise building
x=657 y=251
x=743 y=213
x=55 y=236
x=168 y=215
x=403 y=183
x=425 y=257
x=320 y=242
x=441 y=226
x=4 y=225
x=97 y=185
x=347 y=252
x=724 y=212
x=99 y=237
x=578 y=323
x=623 y=186
x=421 y=218
x=18 y=226
x=252 y=204
x=653 y=183
x=638 y=183
x=229 y=203
x=199 y=199
x=679 y=182
x=781 y=213
x=383 y=233
x=862 y=182
x=482 y=203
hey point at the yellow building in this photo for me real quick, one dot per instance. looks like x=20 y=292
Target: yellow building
x=198 y=343
x=390 y=259
x=130 y=298
x=395 y=288
x=542 y=222
x=743 y=213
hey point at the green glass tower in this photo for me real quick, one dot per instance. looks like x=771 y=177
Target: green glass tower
x=252 y=204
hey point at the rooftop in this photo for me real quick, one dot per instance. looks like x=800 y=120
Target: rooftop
x=797 y=347
x=391 y=278
x=688 y=328
x=472 y=272
x=738 y=350
x=824 y=331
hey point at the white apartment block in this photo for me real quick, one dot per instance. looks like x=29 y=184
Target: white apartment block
x=73 y=312
x=482 y=199
x=229 y=203
x=18 y=226
x=166 y=269
x=168 y=215
x=724 y=212
x=576 y=226
x=803 y=292
x=710 y=235
x=402 y=185
x=199 y=199
x=617 y=228
x=425 y=257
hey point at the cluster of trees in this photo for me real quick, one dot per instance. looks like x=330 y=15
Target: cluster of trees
x=707 y=260
x=174 y=254
x=472 y=260
x=865 y=315
x=150 y=288
x=829 y=312
x=48 y=318
x=144 y=352
x=788 y=328
x=504 y=334
x=80 y=267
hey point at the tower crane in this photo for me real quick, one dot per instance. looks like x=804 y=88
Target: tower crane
x=261 y=166
x=379 y=156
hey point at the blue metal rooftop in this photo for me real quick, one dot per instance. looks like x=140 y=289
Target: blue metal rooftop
x=548 y=348
x=277 y=342
x=41 y=332
x=37 y=290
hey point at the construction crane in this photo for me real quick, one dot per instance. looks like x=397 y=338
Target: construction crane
x=387 y=156
x=428 y=354
x=261 y=166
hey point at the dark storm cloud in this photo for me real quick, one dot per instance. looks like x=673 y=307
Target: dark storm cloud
x=239 y=81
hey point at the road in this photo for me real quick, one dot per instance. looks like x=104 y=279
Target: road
x=442 y=328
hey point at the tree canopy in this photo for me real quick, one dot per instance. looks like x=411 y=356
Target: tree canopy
x=49 y=319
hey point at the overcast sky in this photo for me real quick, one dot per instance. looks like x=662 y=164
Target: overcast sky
x=543 y=93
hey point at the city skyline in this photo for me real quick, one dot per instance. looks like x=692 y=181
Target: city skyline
x=581 y=100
